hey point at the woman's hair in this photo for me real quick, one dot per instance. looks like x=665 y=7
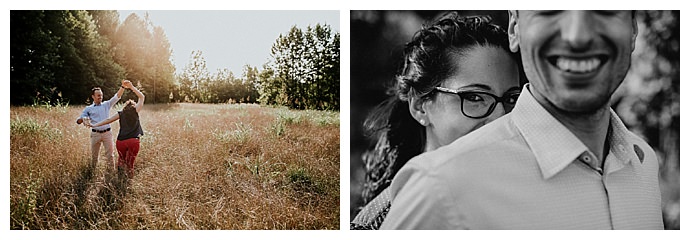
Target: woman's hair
x=130 y=106
x=428 y=61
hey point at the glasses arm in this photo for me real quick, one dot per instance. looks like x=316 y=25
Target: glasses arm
x=448 y=90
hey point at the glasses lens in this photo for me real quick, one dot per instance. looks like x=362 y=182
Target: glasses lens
x=510 y=100
x=477 y=105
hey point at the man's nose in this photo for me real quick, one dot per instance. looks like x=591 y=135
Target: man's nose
x=577 y=29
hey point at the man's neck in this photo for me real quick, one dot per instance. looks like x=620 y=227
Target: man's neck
x=590 y=127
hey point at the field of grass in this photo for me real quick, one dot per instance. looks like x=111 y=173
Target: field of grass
x=200 y=167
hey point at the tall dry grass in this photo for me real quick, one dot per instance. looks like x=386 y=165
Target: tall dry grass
x=199 y=167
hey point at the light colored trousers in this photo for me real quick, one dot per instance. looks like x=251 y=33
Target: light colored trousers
x=107 y=139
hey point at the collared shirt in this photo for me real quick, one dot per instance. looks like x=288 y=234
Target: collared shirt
x=525 y=170
x=98 y=113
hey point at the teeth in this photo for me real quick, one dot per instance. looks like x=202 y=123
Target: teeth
x=578 y=66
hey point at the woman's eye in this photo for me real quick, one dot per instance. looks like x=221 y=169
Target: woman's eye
x=512 y=99
x=474 y=97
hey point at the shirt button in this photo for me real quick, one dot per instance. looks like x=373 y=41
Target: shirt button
x=586 y=158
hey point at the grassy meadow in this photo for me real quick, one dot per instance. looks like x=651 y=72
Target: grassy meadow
x=200 y=166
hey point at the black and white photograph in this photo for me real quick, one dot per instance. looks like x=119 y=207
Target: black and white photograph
x=556 y=119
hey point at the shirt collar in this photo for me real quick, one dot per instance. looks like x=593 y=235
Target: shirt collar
x=622 y=149
x=554 y=146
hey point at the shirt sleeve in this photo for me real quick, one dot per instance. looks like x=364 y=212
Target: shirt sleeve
x=112 y=101
x=420 y=201
x=84 y=113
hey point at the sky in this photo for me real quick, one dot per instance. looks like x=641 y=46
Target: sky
x=230 y=39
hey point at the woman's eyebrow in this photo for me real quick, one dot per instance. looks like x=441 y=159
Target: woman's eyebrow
x=513 y=89
x=477 y=85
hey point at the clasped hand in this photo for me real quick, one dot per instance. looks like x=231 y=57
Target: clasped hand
x=87 y=122
x=127 y=84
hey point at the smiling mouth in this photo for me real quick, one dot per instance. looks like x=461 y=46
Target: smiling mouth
x=578 y=65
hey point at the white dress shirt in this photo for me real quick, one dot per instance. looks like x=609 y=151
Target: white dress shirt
x=526 y=171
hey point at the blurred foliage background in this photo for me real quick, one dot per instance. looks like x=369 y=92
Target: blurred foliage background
x=648 y=101
x=57 y=56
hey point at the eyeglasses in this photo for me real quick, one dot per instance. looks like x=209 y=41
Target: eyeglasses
x=475 y=104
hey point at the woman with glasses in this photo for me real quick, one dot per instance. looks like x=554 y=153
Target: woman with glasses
x=458 y=75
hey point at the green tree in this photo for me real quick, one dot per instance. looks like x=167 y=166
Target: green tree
x=250 y=84
x=61 y=55
x=107 y=22
x=34 y=54
x=161 y=68
x=58 y=55
x=306 y=69
x=326 y=87
x=131 y=47
x=268 y=86
x=222 y=86
x=195 y=79
x=144 y=51
x=92 y=60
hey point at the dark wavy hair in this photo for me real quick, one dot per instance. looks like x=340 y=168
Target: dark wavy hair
x=428 y=61
x=129 y=107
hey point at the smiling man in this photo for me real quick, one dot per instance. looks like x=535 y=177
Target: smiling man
x=97 y=112
x=561 y=160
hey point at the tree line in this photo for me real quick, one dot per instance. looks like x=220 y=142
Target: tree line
x=58 y=56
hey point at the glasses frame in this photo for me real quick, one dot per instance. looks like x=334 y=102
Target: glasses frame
x=503 y=99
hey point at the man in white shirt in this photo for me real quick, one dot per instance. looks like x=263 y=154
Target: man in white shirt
x=562 y=159
x=97 y=112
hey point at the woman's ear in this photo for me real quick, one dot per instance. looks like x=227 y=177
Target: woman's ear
x=418 y=111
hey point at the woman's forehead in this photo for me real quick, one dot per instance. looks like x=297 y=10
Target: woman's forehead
x=487 y=66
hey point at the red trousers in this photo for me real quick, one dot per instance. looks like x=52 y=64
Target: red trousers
x=128 y=150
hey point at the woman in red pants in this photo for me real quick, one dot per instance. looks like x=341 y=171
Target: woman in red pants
x=130 y=130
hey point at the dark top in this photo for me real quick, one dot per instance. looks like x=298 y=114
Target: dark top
x=129 y=125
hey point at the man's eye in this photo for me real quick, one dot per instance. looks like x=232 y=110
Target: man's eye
x=548 y=12
x=608 y=12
